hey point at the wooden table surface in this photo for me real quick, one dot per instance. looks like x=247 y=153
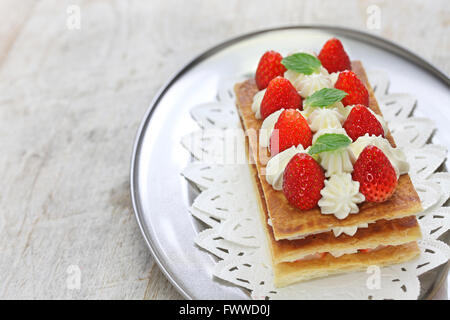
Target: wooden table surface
x=70 y=104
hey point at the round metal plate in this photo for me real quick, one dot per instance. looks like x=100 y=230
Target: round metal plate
x=161 y=196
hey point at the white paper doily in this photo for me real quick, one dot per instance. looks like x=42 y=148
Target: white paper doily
x=227 y=204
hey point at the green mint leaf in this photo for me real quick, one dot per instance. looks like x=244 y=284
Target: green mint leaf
x=302 y=63
x=325 y=97
x=329 y=142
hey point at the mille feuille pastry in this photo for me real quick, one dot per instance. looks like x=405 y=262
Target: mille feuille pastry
x=333 y=189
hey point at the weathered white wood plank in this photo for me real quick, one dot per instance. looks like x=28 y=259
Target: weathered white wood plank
x=14 y=16
x=70 y=106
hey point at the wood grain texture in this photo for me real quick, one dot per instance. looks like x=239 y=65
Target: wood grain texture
x=72 y=101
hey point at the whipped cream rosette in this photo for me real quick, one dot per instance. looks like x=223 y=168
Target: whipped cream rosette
x=256 y=105
x=306 y=85
x=294 y=77
x=269 y=124
x=348 y=109
x=395 y=155
x=321 y=213
x=340 y=197
x=326 y=98
x=343 y=110
x=351 y=231
x=267 y=128
x=307 y=80
x=306 y=73
x=337 y=161
x=321 y=119
x=276 y=165
x=328 y=130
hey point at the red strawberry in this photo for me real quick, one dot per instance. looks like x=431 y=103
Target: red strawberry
x=333 y=56
x=375 y=174
x=291 y=129
x=269 y=67
x=303 y=179
x=361 y=121
x=364 y=250
x=349 y=82
x=280 y=94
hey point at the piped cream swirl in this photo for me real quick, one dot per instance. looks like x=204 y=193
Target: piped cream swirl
x=328 y=130
x=380 y=119
x=334 y=77
x=324 y=118
x=337 y=107
x=276 y=165
x=340 y=196
x=395 y=155
x=336 y=161
x=312 y=83
x=256 y=105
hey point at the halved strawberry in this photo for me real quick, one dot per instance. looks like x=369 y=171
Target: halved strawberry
x=375 y=174
x=349 y=82
x=280 y=94
x=269 y=67
x=361 y=121
x=291 y=129
x=303 y=178
x=333 y=56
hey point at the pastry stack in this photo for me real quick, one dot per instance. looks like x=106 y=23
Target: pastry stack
x=352 y=223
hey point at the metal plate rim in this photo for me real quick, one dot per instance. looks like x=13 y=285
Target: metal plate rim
x=362 y=36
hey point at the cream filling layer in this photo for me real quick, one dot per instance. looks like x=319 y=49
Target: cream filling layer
x=340 y=195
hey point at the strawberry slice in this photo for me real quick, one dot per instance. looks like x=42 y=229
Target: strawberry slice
x=357 y=92
x=269 y=67
x=303 y=179
x=291 y=129
x=333 y=56
x=280 y=93
x=375 y=174
x=361 y=121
